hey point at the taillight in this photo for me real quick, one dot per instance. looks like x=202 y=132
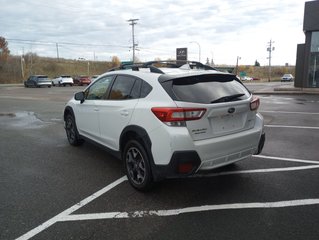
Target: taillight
x=178 y=116
x=254 y=104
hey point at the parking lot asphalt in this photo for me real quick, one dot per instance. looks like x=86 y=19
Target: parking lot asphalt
x=51 y=190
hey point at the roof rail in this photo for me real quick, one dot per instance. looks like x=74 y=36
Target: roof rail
x=155 y=65
x=178 y=64
x=155 y=70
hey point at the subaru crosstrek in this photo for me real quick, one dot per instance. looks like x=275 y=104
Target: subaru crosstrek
x=167 y=122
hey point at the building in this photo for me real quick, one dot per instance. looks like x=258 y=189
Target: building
x=307 y=63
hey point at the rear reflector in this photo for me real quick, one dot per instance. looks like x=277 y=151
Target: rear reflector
x=185 y=168
x=166 y=114
x=254 y=104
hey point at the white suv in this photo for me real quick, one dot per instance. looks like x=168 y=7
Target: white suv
x=63 y=81
x=167 y=122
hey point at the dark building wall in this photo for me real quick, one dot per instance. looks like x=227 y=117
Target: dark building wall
x=310 y=25
x=311 y=16
x=300 y=66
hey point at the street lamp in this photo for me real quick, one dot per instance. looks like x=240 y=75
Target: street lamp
x=198 y=49
x=238 y=58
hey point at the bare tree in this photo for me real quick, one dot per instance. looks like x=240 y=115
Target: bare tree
x=4 y=50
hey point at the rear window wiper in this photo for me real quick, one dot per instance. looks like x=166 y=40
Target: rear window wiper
x=228 y=98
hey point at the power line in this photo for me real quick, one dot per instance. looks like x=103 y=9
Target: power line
x=64 y=43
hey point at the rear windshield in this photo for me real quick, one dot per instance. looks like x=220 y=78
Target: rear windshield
x=66 y=76
x=209 y=89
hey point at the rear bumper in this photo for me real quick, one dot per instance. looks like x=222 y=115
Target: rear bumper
x=261 y=144
x=180 y=161
x=186 y=163
x=210 y=153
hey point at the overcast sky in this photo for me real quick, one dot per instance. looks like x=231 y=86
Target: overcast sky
x=221 y=29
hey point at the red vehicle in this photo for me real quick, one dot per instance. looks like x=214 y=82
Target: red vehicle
x=82 y=80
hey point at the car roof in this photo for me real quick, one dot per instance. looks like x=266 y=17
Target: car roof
x=40 y=76
x=148 y=70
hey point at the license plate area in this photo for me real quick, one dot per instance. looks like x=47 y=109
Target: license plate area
x=227 y=123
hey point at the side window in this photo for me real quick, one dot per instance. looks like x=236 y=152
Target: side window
x=122 y=88
x=146 y=89
x=135 y=93
x=98 y=89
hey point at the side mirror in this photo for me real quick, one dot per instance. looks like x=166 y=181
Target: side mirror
x=79 y=96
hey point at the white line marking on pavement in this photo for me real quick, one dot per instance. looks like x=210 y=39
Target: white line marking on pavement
x=66 y=215
x=284 y=126
x=265 y=170
x=282 y=112
x=174 y=212
x=287 y=159
x=70 y=210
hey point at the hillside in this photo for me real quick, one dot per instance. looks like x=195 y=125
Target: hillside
x=17 y=69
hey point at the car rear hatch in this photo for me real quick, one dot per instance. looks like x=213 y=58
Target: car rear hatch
x=220 y=103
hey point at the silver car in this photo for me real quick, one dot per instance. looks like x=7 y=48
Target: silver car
x=287 y=77
x=38 y=81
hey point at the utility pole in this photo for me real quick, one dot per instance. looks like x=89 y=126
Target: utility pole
x=57 y=51
x=270 y=48
x=238 y=58
x=133 y=22
x=22 y=69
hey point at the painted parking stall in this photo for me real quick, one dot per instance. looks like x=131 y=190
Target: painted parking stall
x=82 y=194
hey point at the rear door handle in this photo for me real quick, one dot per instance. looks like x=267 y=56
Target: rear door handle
x=96 y=109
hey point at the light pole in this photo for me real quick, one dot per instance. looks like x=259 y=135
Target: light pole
x=238 y=58
x=199 y=50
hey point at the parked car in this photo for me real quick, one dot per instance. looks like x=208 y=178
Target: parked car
x=38 y=81
x=166 y=123
x=246 y=78
x=63 y=81
x=94 y=77
x=287 y=77
x=82 y=80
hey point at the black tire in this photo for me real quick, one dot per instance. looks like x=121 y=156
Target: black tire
x=137 y=166
x=72 y=131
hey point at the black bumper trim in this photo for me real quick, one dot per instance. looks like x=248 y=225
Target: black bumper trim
x=171 y=170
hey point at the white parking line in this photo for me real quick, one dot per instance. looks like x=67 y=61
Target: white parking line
x=282 y=112
x=285 y=126
x=174 y=212
x=70 y=210
x=287 y=159
x=66 y=215
x=265 y=170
